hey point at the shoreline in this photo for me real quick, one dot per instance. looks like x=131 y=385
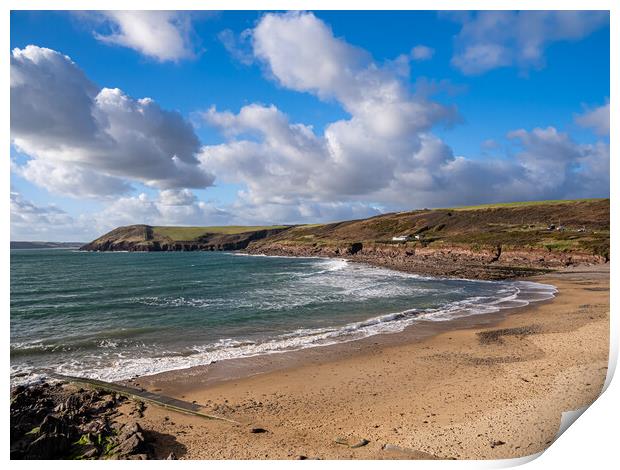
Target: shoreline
x=397 y=326
x=219 y=372
x=497 y=386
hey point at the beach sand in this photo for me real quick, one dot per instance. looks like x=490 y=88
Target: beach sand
x=478 y=388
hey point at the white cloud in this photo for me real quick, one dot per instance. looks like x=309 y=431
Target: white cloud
x=596 y=119
x=171 y=207
x=492 y=39
x=70 y=180
x=286 y=161
x=86 y=140
x=385 y=154
x=39 y=223
x=422 y=52
x=161 y=35
x=555 y=165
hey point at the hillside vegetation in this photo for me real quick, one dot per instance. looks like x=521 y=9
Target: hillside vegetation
x=194 y=233
x=494 y=241
x=583 y=227
x=148 y=238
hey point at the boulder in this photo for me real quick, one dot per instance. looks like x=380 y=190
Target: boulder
x=48 y=446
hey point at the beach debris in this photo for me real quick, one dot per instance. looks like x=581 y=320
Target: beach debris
x=172 y=456
x=122 y=392
x=407 y=453
x=257 y=430
x=351 y=443
x=360 y=443
x=494 y=444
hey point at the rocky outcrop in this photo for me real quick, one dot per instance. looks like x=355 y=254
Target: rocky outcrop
x=451 y=261
x=62 y=422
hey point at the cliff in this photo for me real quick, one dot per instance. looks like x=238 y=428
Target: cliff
x=487 y=242
x=148 y=238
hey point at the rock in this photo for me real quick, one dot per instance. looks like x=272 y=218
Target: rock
x=257 y=430
x=494 y=444
x=72 y=404
x=302 y=457
x=407 y=453
x=53 y=425
x=346 y=442
x=90 y=452
x=138 y=457
x=131 y=445
x=354 y=248
x=129 y=429
x=96 y=426
x=360 y=443
x=64 y=423
x=48 y=446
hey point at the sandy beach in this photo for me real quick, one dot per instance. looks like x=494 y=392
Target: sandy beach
x=478 y=388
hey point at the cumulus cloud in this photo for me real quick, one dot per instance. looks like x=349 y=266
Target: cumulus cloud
x=422 y=52
x=161 y=35
x=596 y=119
x=86 y=140
x=556 y=165
x=32 y=222
x=170 y=207
x=492 y=39
x=385 y=153
x=281 y=162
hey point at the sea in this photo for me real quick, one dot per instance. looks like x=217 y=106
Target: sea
x=117 y=315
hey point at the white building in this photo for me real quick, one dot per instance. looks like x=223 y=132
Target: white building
x=401 y=238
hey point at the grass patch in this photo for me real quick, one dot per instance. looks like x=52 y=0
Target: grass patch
x=192 y=233
x=34 y=431
x=524 y=204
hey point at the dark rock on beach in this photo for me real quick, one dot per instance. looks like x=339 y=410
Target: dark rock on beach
x=62 y=422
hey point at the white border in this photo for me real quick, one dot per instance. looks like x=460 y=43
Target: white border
x=591 y=443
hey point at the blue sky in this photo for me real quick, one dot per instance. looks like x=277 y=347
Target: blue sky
x=299 y=117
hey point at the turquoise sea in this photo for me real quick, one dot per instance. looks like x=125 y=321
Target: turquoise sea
x=116 y=315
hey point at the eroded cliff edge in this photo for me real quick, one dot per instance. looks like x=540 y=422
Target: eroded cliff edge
x=484 y=242
x=147 y=238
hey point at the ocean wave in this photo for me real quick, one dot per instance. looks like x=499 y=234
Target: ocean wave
x=114 y=366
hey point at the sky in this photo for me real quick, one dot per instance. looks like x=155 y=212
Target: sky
x=233 y=118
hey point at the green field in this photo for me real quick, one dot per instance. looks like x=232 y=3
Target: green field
x=191 y=233
x=522 y=204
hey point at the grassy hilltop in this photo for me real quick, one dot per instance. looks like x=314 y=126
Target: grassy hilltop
x=584 y=227
x=540 y=234
x=193 y=233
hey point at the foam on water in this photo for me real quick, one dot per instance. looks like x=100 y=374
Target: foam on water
x=313 y=287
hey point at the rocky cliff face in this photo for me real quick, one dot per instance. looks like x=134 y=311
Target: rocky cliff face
x=451 y=261
x=143 y=238
x=487 y=242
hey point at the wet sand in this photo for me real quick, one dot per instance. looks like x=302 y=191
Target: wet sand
x=484 y=387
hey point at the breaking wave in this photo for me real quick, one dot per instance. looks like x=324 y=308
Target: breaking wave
x=283 y=304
